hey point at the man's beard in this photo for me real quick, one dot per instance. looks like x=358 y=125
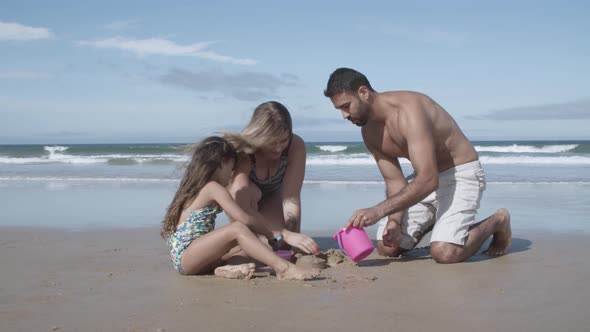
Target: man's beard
x=356 y=121
x=363 y=111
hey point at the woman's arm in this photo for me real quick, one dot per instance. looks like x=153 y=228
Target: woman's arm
x=292 y=183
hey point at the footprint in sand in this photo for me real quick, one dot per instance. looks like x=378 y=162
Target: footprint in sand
x=242 y=271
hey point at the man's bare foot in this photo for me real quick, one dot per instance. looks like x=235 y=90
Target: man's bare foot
x=502 y=239
x=294 y=272
x=242 y=271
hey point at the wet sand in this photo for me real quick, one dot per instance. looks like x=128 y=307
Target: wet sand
x=122 y=280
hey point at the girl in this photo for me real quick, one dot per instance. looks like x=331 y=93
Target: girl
x=188 y=226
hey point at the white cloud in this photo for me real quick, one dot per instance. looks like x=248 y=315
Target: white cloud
x=247 y=86
x=16 y=31
x=158 y=46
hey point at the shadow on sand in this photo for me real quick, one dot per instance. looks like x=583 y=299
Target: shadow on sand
x=518 y=245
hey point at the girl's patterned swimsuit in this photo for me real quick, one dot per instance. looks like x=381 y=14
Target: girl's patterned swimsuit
x=199 y=223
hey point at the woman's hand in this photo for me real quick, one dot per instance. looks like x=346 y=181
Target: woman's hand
x=301 y=241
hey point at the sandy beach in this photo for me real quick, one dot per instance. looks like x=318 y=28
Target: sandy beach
x=122 y=280
x=85 y=255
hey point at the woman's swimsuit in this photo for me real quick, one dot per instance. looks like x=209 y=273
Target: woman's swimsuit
x=198 y=223
x=273 y=183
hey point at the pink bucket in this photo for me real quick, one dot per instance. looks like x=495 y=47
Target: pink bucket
x=355 y=243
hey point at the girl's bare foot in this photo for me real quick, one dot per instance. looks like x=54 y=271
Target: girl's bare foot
x=502 y=239
x=293 y=272
x=242 y=271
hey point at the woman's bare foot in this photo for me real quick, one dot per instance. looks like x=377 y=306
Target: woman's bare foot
x=293 y=272
x=242 y=271
x=502 y=239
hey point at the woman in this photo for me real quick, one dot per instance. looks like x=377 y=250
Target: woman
x=269 y=175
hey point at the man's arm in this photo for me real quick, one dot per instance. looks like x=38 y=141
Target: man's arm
x=417 y=131
x=394 y=178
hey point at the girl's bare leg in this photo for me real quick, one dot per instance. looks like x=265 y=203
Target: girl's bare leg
x=207 y=250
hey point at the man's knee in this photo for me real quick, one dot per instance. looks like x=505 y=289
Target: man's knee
x=445 y=253
x=388 y=251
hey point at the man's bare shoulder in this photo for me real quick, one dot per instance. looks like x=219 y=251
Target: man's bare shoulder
x=404 y=94
x=399 y=106
x=391 y=102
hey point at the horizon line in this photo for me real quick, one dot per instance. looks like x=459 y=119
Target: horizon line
x=307 y=142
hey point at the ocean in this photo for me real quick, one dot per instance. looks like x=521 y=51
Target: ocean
x=349 y=162
x=545 y=184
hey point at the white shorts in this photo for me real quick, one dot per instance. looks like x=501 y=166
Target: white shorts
x=451 y=208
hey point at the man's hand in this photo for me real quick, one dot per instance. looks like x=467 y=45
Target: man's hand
x=363 y=218
x=392 y=234
x=300 y=241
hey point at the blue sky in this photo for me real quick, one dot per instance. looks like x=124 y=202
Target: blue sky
x=146 y=71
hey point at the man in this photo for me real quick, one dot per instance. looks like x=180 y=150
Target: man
x=448 y=183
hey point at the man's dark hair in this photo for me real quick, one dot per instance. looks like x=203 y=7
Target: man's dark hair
x=346 y=80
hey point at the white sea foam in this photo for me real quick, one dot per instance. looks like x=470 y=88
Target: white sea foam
x=332 y=148
x=58 y=158
x=84 y=179
x=366 y=159
x=55 y=149
x=570 y=160
x=327 y=182
x=342 y=182
x=333 y=160
x=515 y=148
x=376 y=182
x=341 y=159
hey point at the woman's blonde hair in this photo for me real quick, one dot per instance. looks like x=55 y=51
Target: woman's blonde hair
x=206 y=158
x=269 y=121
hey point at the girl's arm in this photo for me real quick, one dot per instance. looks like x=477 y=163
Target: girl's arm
x=218 y=193
x=292 y=183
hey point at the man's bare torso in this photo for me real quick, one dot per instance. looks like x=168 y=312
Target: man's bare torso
x=390 y=137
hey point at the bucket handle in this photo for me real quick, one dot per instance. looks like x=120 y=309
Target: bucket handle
x=339 y=239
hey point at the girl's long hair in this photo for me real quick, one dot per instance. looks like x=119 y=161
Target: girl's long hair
x=269 y=121
x=206 y=158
